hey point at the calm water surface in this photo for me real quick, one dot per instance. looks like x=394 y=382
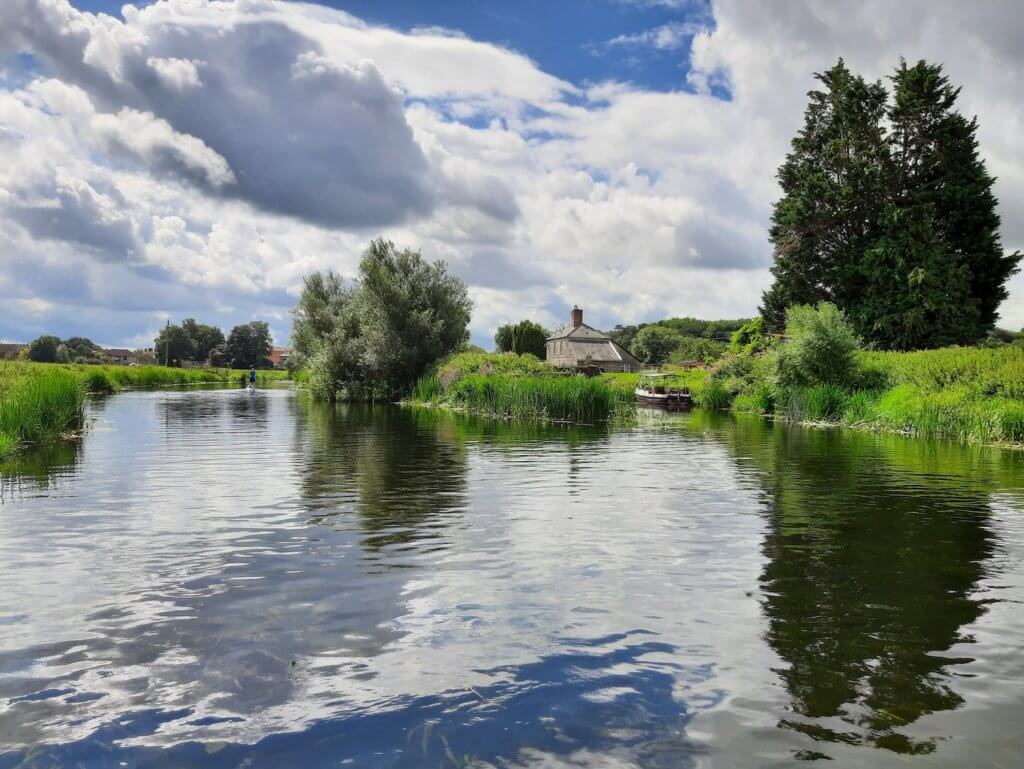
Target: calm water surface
x=231 y=579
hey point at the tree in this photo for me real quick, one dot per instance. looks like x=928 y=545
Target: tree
x=654 y=344
x=696 y=348
x=202 y=337
x=249 y=344
x=43 y=349
x=940 y=176
x=749 y=337
x=374 y=337
x=819 y=349
x=82 y=350
x=172 y=346
x=524 y=336
x=888 y=212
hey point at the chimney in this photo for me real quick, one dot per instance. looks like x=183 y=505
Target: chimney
x=576 y=317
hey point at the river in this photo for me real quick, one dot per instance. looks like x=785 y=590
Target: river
x=225 y=578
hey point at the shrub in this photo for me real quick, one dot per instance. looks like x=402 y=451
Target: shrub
x=820 y=348
x=559 y=398
x=714 y=396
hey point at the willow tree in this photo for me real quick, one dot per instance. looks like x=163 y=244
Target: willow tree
x=374 y=336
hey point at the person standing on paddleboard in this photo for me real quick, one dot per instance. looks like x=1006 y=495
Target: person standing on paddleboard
x=252 y=376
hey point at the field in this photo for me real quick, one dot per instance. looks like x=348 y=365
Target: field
x=40 y=402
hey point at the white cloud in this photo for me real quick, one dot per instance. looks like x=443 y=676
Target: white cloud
x=665 y=37
x=200 y=157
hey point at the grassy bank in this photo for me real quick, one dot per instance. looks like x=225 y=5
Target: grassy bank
x=519 y=386
x=40 y=402
x=37 y=407
x=963 y=393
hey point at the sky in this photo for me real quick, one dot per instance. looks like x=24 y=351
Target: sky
x=197 y=158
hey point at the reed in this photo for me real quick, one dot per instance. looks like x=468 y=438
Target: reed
x=39 y=409
x=556 y=398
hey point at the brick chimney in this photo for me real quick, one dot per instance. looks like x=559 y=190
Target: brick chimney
x=577 y=317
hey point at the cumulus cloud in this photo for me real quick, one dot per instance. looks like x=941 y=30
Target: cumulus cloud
x=199 y=157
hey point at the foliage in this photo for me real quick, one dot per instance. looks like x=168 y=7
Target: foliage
x=575 y=399
x=248 y=345
x=749 y=337
x=522 y=337
x=172 y=345
x=203 y=338
x=653 y=344
x=375 y=337
x=714 y=396
x=83 y=350
x=691 y=348
x=43 y=349
x=888 y=212
x=38 y=408
x=719 y=330
x=820 y=348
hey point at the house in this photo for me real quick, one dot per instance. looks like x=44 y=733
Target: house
x=119 y=356
x=279 y=356
x=577 y=345
x=10 y=351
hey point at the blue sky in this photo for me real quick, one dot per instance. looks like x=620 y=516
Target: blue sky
x=197 y=159
x=571 y=39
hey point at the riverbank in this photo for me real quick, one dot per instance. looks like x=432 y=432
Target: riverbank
x=519 y=387
x=974 y=395
x=41 y=402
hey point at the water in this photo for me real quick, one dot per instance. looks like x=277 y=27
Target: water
x=219 y=578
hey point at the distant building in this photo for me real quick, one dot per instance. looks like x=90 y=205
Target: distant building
x=577 y=345
x=10 y=351
x=279 y=356
x=119 y=356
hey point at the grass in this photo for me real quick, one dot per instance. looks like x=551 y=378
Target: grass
x=519 y=386
x=38 y=408
x=974 y=395
x=40 y=402
x=574 y=399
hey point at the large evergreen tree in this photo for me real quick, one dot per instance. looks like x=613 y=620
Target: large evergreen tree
x=832 y=183
x=888 y=212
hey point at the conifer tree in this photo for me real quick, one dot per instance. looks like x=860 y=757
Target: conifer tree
x=888 y=211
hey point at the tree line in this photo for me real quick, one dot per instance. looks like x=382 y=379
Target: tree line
x=248 y=344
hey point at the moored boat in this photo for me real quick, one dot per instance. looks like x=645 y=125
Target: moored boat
x=652 y=390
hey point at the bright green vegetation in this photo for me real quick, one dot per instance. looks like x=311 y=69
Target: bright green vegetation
x=888 y=212
x=40 y=402
x=520 y=386
x=37 y=405
x=972 y=394
x=522 y=337
x=372 y=339
x=677 y=340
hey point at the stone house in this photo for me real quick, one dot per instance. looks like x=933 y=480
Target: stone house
x=577 y=345
x=120 y=356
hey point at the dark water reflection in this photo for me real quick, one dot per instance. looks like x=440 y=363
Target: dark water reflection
x=223 y=578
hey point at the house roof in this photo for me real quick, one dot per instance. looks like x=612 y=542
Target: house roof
x=582 y=331
x=599 y=351
x=9 y=350
x=119 y=351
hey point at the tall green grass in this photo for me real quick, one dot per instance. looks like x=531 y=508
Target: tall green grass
x=563 y=398
x=39 y=409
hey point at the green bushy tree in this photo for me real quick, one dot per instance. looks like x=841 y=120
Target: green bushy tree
x=524 y=336
x=820 y=348
x=249 y=344
x=654 y=344
x=203 y=338
x=43 y=349
x=376 y=336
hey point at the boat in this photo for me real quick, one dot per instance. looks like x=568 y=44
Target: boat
x=652 y=390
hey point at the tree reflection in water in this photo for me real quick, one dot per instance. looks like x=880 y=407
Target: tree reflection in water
x=874 y=549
